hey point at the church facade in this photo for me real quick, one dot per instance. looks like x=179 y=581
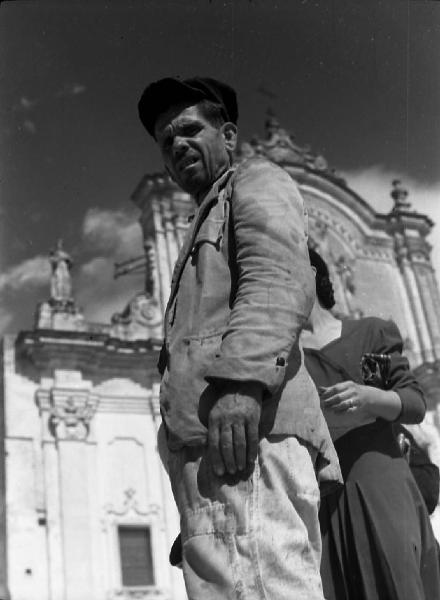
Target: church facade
x=88 y=511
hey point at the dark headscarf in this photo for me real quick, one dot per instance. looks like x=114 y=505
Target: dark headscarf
x=324 y=287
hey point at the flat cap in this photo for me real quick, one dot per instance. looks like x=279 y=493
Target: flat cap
x=161 y=95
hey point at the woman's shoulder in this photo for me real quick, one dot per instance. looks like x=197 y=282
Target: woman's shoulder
x=372 y=324
x=374 y=331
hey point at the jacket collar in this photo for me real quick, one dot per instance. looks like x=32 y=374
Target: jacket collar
x=199 y=216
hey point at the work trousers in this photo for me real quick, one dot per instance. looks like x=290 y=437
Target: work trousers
x=250 y=537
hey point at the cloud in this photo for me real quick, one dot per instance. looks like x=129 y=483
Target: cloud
x=109 y=236
x=71 y=89
x=100 y=294
x=30 y=273
x=25 y=104
x=116 y=232
x=374 y=185
x=29 y=127
x=106 y=237
x=77 y=88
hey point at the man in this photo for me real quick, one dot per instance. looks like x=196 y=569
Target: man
x=242 y=419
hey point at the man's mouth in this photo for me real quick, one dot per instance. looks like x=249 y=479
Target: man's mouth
x=187 y=162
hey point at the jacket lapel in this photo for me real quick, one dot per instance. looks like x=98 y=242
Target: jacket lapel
x=187 y=247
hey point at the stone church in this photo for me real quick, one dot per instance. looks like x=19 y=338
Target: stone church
x=87 y=511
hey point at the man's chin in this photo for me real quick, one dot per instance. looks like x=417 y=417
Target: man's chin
x=192 y=185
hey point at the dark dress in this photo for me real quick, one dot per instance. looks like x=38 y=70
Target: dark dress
x=425 y=472
x=377 y=538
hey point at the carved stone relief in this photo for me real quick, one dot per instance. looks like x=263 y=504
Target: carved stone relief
x=70 y=416
x=342 y=266
x=130 y=508
x=280 y=146
x=141 y=319
x=68 y=404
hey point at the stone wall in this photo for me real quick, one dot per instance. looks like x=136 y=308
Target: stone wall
x=82 y=460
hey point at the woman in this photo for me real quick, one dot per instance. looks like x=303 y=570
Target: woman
x=377 y=538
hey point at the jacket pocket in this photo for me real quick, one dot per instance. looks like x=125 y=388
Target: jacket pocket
x=210 y=232
x=206 y=248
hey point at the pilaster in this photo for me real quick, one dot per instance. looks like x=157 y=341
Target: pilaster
x=426 y=286
x=67 y=406
x=5 y=356
x=413 y=292
x=409 y=230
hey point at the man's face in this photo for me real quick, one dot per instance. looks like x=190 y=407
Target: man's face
x=195 y=152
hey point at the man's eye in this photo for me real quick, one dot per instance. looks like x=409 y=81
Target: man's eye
x=191 y=130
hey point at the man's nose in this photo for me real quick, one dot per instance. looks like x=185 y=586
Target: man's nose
x=180 y=146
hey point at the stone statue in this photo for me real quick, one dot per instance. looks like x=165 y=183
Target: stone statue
x=60 y=283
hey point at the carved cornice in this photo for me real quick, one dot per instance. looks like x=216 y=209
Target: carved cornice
x=98 y=356
x=414 y=249
x=280 y=147
x=160 y=186
x=402 y=217
x=368 y=243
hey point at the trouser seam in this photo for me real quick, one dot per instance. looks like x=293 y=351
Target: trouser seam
x=255 y=527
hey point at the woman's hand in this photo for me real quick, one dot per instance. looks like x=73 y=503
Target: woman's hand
x=349 y=396
x=346 y=395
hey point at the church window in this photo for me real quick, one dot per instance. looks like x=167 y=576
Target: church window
x=136 y=556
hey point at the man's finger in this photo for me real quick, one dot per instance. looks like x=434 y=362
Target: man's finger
x=239 y=434
x=252 y=443
x=214 y=451
x=227 y=449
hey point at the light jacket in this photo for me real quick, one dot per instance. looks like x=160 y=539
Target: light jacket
x=241 y=291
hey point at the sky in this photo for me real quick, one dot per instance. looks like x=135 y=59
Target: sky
x=358 y=81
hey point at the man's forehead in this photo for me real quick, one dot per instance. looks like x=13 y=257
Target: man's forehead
x=179 y=113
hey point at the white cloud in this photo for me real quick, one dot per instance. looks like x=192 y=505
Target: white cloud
x=114 y=232
x=26 y=104
x=96 y=268
x=29 y=127
x=78 y=88
x=71 y=89
x=100 y=294
x=111 y=236
x=373 y=184
x=107 y=237
x=32 y=272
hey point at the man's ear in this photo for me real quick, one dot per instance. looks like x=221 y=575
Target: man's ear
x=229 y=132
x=314 y=270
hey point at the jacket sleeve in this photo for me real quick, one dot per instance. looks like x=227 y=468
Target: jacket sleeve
x=402 y=379
x=275 y=285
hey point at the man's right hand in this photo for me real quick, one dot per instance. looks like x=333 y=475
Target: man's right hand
x=233 y=427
